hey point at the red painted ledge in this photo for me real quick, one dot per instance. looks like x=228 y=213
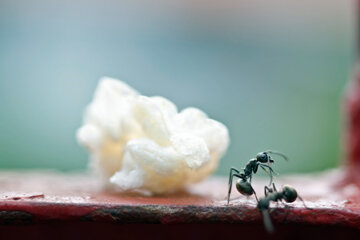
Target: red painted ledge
x=75 y=201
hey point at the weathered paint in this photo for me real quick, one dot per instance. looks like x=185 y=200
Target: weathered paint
x=204 y=203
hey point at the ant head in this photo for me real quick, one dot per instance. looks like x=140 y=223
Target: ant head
x=289 y=193
x=263 y=157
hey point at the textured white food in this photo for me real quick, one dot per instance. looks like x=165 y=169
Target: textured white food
x=139 y=142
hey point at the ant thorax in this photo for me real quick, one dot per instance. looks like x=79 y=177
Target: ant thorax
x=250 y=167
x=275 y=196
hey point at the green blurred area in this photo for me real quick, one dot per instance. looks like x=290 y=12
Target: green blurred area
x=273 y=74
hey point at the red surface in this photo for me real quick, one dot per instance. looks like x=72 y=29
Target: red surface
x=45 y=198
x=352 y=141
x=174 y=231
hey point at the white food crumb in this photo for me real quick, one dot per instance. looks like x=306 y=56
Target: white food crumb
x=139 y=142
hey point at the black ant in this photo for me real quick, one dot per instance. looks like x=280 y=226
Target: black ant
x=288 y=194
x=242 y=184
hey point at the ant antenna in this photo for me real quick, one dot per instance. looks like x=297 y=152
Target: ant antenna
x=278 y=153
x=269 y=173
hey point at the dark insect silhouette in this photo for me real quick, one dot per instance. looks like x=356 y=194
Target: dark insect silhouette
x=243 y=184
x=287 y=194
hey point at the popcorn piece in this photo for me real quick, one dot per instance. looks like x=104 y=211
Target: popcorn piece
x=138 y=142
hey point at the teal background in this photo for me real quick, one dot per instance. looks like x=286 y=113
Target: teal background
x=272 y=71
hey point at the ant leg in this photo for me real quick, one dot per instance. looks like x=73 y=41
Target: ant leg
x=277 y=206
x=257 y=200
x=302 y=200
x=265 y=170
x=264 y=165
x=287 y=211
x=287 y=207
x=274 y=187
x=271 y=172
x=267 y=190
x=231 y=174
x=268 y=164
x=268 y=174
x=250 y=178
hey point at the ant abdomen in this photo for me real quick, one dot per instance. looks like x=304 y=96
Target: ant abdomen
x=244 y=187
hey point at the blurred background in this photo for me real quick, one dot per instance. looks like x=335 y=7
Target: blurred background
x=272 y=71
